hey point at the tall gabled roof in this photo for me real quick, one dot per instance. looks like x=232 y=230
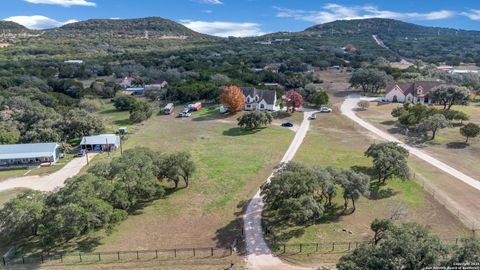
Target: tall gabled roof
x=409 y=88
x=267 y=95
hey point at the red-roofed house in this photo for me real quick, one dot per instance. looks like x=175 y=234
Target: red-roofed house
x=414 y=92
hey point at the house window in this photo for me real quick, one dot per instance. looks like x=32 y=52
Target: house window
x=262 y=106
x=248 y=106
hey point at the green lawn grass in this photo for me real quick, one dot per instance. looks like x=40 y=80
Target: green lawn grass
x=231 y=165
x=333 y=140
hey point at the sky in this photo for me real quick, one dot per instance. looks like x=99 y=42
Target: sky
x=244 y=17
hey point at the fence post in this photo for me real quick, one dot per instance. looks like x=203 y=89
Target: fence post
x=175 y=252
x=23 y=259
x=316 y=248
x=156 y=254
x=333 y=246
x=80 y=255
x=41 y=257
x=118 y=255
x=212 y=252
x=301 y=248
x=137 y=255
x=61 y=258
x=284 y=246
x=349 y=244
x=193 y=252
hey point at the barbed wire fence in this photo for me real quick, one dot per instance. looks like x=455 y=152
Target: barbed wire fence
x=471 y=223
x=119 y=256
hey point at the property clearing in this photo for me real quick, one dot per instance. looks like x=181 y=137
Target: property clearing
x=334 y=140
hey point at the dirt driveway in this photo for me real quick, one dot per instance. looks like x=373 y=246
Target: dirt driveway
x=47 y=182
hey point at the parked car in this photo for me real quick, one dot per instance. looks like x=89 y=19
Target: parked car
x=287 y=124
x=123 y=130
x=312 y=117
x=185 y=113
x=168 y=109
x=195 y=106
x=81 y=153
x=325 y=110
x=223 y=110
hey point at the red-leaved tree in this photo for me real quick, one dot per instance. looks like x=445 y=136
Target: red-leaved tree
x=233 y=99
x=293 y=100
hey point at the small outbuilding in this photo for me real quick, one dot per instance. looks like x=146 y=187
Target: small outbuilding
x=100 y=143
x=13 y=156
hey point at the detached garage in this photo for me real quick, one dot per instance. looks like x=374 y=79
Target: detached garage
x=101 y=143
x=14 y=156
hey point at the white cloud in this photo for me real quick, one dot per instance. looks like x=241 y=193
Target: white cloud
x=211 y=2
x=473 y=14
x=224 y=29
x=65 y=3
x=208 y=11
x=37 y=21
x=332 y=12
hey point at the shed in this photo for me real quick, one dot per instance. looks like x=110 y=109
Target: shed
x=135 y=91
x=30 y=154
x=103 y=142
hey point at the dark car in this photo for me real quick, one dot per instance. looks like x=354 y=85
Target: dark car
x=287 y=124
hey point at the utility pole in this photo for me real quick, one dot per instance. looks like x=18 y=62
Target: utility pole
x=121 y=146
x=86 y=154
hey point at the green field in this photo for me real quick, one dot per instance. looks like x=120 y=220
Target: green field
x=231 y=164
x=335 y=141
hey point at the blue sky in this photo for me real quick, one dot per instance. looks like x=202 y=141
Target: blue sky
x=244 y=17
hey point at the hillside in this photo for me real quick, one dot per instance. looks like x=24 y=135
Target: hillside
x=432 y=44
x=151 y=27
x=12 y=27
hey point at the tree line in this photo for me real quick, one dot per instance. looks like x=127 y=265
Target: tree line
x=99 y=199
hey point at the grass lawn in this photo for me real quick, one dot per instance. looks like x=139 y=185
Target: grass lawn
x=5 y=196
x=231 y=165
x=449 y=145
x=336 y=141
x=114 y=119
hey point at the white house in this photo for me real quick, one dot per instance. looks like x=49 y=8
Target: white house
x=414 y=92
x=256 y=99
x=155 y=85
x=30 y=154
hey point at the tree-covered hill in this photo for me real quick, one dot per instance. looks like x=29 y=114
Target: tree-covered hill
x=150 y=27
x=12 y=27
x=432 y=44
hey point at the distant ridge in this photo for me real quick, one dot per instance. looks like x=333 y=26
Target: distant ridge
x=150 y=27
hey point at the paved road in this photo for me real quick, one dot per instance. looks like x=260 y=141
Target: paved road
x=348 y=109
x=259 y=255
x=46 y=182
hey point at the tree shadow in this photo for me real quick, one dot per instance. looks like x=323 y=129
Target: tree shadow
x=379 y=193
x=281 y=114
x=388 y=122
x=238 y=131
x=231 y=235
x=457 y=145
x=122 y=122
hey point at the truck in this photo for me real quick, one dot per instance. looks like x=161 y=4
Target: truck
x=194 y=106
x=168 y=109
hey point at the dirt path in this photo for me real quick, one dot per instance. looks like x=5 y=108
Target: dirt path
x=47 y=182
x=468 y=184
x=259 y=255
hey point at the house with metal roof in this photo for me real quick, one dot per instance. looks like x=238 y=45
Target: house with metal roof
x=14 y=156
x=257 y=99
x=100 y=143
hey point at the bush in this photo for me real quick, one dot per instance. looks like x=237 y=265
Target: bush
x=363 y=104
x=124 y=103
x=140 y=112
x=90 y=105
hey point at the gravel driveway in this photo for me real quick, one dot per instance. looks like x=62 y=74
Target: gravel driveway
x=259 y=255
x=47 y=182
